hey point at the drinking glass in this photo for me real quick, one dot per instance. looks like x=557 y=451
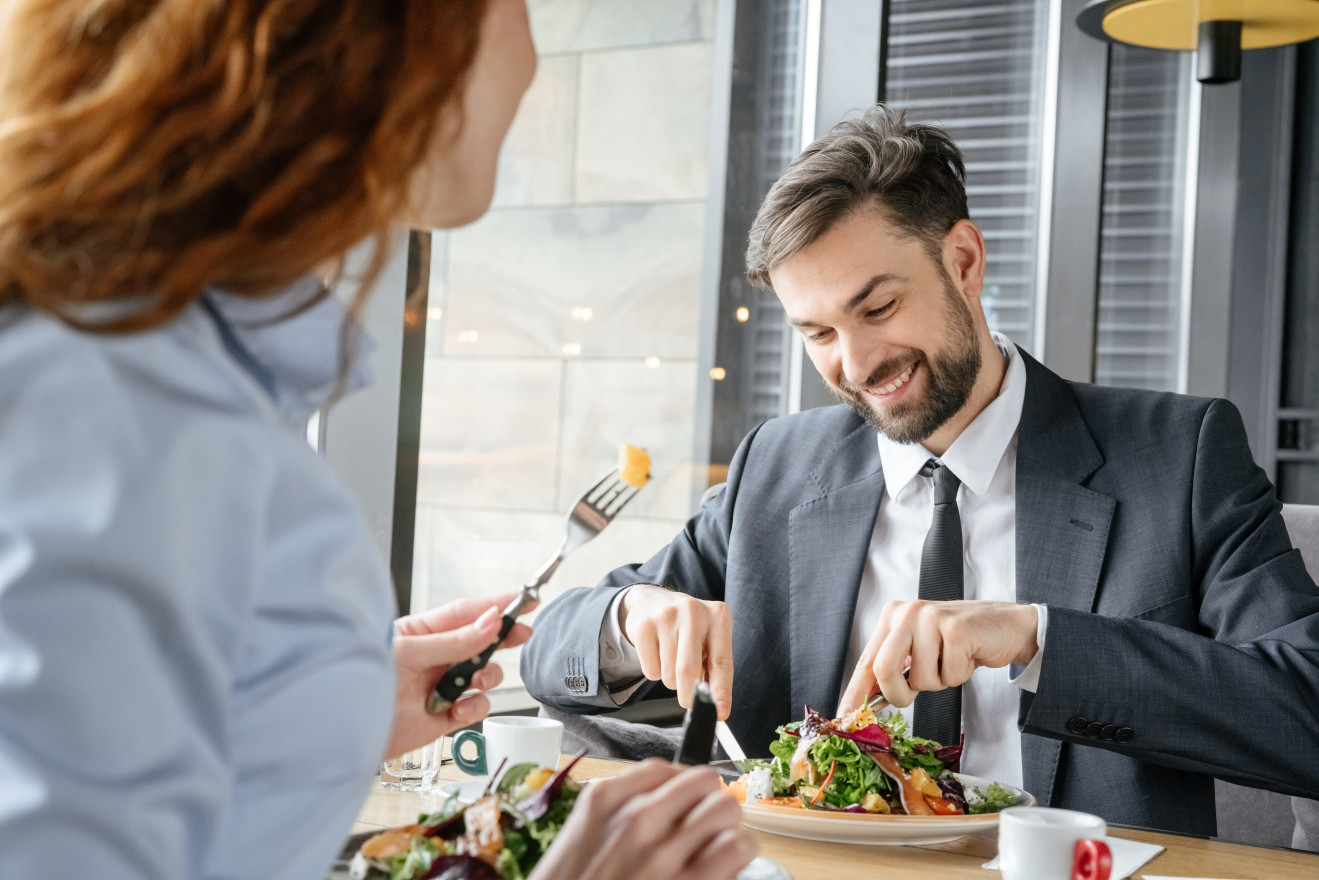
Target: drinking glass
x=412 y=771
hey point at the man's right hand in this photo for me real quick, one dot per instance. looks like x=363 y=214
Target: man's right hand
x=681 y=641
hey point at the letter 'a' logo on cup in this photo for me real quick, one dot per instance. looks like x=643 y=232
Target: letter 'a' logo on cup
x=1091 y=860
x=508 y=740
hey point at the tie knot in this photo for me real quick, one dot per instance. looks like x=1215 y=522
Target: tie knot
x=945 y=481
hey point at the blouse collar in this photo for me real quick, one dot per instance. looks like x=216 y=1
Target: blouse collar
x=294 y=345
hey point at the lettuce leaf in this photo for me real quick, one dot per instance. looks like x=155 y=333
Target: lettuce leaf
x=988 y=798
x=855 y=773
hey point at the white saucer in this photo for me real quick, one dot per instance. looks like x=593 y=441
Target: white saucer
x=469 y=790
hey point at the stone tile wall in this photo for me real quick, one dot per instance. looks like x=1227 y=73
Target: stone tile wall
x=565 y=321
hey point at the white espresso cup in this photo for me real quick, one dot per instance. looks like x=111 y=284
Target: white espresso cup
x=1041 y=843
x=508 y=740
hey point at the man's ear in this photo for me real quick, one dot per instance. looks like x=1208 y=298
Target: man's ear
x=964 y=258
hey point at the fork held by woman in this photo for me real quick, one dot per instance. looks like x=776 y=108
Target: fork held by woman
x=593 y=511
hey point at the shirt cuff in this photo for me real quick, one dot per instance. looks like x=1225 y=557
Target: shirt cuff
x=620 y=664
x=1029 y=679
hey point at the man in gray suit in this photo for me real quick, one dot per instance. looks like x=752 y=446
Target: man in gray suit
x=1094 y=585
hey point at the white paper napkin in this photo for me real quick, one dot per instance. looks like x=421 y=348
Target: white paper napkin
x=1128 y=856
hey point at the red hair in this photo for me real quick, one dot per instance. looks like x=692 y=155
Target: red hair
x=152 y=148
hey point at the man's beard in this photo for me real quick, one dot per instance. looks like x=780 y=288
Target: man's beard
x=949 y=379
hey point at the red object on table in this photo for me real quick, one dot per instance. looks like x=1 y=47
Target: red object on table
x=1091 y=860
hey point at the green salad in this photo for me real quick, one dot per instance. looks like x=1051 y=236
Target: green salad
x=863 y=763
x=500 y=836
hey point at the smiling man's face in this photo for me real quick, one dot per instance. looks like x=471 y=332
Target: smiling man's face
x=894 y=332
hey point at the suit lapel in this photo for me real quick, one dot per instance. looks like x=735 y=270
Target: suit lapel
x=828 y=542
x=1062 y=526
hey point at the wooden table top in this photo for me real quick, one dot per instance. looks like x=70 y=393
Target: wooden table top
x=805 y=859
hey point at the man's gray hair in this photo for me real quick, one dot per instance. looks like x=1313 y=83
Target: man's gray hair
x=912 y=171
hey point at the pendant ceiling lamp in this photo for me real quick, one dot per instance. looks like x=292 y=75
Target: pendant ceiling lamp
x=1216 y=30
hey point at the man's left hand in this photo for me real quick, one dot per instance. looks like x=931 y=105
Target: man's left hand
x=943 y=643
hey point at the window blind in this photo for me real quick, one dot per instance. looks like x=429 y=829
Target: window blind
x=765 y=358
x=977 y=69
x=1142 y=228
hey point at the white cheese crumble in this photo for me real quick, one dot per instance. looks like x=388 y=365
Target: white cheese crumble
x=759 y=786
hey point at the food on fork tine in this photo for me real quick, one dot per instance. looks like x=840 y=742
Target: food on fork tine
x=633 y=465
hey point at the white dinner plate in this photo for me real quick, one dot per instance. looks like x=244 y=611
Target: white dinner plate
x=839 y=827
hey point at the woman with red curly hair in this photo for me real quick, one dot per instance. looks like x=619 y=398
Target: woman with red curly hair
x=198 y=670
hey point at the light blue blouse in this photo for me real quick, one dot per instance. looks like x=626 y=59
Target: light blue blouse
x=195 y=675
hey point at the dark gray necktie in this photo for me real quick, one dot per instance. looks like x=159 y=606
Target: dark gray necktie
x=939 y=713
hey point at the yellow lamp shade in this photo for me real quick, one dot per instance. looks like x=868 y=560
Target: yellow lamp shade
x=1217 y=29
x=1174 y=24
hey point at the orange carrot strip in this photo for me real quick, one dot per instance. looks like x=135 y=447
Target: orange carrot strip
x=833 y=765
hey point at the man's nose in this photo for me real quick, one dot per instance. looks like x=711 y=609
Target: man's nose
x=859 y=358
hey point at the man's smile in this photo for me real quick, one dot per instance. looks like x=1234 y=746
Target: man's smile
x=893 y=385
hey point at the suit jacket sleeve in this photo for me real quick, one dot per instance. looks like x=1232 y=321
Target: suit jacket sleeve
x=1234 y=694
x=561 y=664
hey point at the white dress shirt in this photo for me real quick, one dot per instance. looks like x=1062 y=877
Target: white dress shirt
x=984 y=458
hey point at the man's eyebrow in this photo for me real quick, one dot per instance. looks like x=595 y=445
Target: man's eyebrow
x=856 y=299
x=869 y=288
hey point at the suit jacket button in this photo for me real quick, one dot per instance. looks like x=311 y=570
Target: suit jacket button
x=1124 y=735
x=1093 y=730
x=1109 y=731
x=576 y=683
x=1076 y=724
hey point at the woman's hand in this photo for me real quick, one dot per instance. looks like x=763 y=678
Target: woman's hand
x=657 y=820
x=425 y=645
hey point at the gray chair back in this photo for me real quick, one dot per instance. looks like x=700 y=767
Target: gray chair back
x=1303 y=526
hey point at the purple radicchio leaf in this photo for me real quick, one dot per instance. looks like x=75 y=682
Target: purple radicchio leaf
x=855 y=808
x=813 y=723
x=460 y=868
x=490 y=786
x=871 y=738
x=950 y=755
x=450 y=828
x=535 y=806
x=952 y=790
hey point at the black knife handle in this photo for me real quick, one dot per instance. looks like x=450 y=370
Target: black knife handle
x=698 y=730
x=458 y=678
